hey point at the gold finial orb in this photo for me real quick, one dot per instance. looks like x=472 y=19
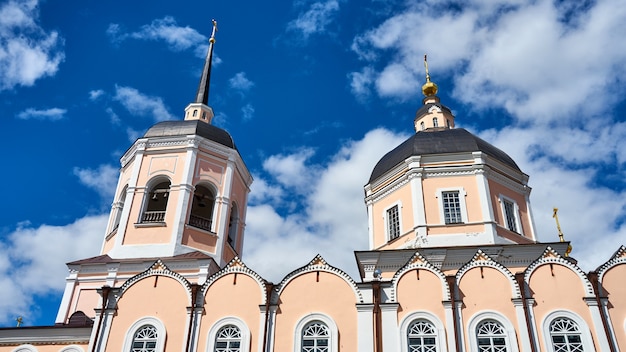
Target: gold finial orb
x=429 y=88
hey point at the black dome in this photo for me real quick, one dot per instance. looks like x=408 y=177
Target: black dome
x=444 y=141
x=189 y=127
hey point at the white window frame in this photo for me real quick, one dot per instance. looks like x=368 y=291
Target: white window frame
x=386 y=220
x=161 y=333
x=332 y=327
x=585 y=334
x=476 y=319
x=462 y=195
x=502 y=199
x=433 y=319
x=243 y=328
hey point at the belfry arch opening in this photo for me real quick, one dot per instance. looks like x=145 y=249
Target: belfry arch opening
x=233 y=225
x=156 y=203
x=201 y=215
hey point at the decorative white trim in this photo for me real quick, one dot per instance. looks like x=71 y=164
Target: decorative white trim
x=237 y=266
x=72 y=348
x=618 y=258
x=317 y=264
x=330 y=323
x=550 y=256
x=415 y=263
x=481 y=259
x=476 y=319
x=243 y=328
x=161 y=332
x=157 y=269
x=502 y=199
x=462 y=195
x=25 y=348
x=585 y=333
x=431 y=318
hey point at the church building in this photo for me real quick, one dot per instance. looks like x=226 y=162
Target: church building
x=453 y=263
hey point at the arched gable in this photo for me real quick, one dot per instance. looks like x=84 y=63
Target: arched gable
x=418 y=262
x=156 y=269
x=236 y=266
x=481 y=259
x=317 y=264
x=550 y=256
x=617 y=259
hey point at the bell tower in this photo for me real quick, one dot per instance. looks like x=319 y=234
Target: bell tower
x=183 y=187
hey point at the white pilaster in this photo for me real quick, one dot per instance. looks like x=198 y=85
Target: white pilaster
x=365 y=327
x=525 y=337
x=460 y=326
x=223 y=204
x=530 y=303
x=370 y=223
x=598 y=327
x=389 y=318
x=70 y=284
x=185 y=190
x=419 y=209
x=271 y=329
x=486 y=207
x=450 y=334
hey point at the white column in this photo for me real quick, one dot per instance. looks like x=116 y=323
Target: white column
x=184 y=193
x=450 y=334
x=365 y=327
x=603 y=342
x=521 y=324
x=223 y=203
x=419 y=209
x=370 y=222
x=389 y=318
x=486 y=207
x=64 y=307
x=130 y=196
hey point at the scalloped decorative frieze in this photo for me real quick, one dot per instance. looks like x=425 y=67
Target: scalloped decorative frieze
x=158 y=268
x=618 y=258
x=236 y=265
x=482 y=259
x=318 y=263
x=550 y=256
x=417 y=261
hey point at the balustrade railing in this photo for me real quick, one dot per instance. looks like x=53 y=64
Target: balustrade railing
x=153 y=216
x=200 y=222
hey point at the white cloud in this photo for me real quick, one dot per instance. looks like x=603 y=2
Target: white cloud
x=315 y=19
x=140 y=104
x=95 y=94
x=330 y=218
x=247 y=112
x=33 y=262
x=52 y=114
x=240 y=82
x=103 y=180
x=166 y=29
x=360 y=82
x=27 y=51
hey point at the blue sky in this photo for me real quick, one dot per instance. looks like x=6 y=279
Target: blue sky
x=314 y=93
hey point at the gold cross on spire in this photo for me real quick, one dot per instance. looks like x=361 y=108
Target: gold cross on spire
x=19 y=321
x=429 y=88
x=212 y=39
x=555 y=215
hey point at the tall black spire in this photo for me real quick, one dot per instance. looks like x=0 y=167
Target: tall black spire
x=202 y=96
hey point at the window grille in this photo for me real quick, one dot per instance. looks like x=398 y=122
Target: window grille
x=491 y=337
x=451 y=207
x=422 y=336
x=145 y=339
x=393 y=222
x=228 y=339
x=566 y=336
x=315 y=337
x=509 y=214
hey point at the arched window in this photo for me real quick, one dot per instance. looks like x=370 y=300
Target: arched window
x=435 y=122
x=156 y=203
x=565 y=335
x=491 y=337
x=145 y=339
x=118 y=208
x=422 y=126
x=422 y=336
x=228 y=339
x=233 y=225
x=202 y=208
x=315 y=337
